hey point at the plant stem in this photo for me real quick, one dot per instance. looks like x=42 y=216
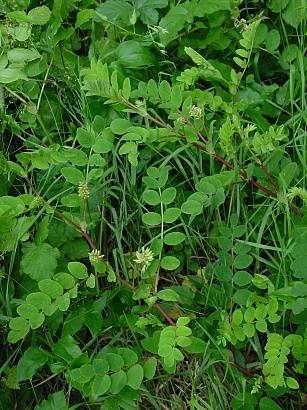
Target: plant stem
x=222 y=161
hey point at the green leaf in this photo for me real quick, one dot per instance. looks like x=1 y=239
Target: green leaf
x=169 y=195
x=39 y=15
x=151 y=197
x=249 y=314
x=39 y=300
x=66 y=280
x=295 y=12
x=171 y=214
x=9 y=75
x=272 y=40
x=128 y=147
x=100 y=385
x=152 y=218
x=170 y=262
x=292 y=383
x=63 y=302
x=39 y=262
x=196 y=346
x=118 y=381
x=104 y=142
x=249 y=329
x=22 y=55
x=115 y=11
x=19 y=324
x=32 y=360
x=78 y=270
x=26 y=310
x=243 y=261
x=50 y=287
x=277 y=5
x=212 y=6
x=237 y=317
x=168 y=295
x=129 y=356
x=135 y=376
x=133 y=54
x=101 y=366
x=261 y=311
x=126 y=90
x=84 y=16
x=242 y=278
x=183 y=331
x=192 y=207
x=55 y=401
x=261 y=326
x=266 y=403
x=150 y=368
x=86 y=137
x=91 y=281
x=116 y=362
x=36 y=320
x=72 y=175
x=120 y=126
x=174 y=238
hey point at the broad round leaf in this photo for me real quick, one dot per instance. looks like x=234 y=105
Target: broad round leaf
x=116 y=362
x=168 y=195
x=72 y=175
x=249 y=329
x=129 y=356
x=36 y=320
x=50 y=287
x=39 y=261
x=171 y=214
x=120 y=126
x=86 y=137
x=170 y=262
x=150 y=368
x=100 y=385
x=243 y=261
x=77 y=269
x=19 y=323
x=174 y=238
x=242 y=278
x=26 y=310
x=192 y=207
x=168 y=295
x=39 y=300
x=151 y=197
x=101 y=366
x=63 y=302
x=135 y=376
x=66 y=280
x=152 y=218
x=118 y=381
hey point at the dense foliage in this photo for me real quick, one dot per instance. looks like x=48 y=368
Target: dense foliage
x=153 y=218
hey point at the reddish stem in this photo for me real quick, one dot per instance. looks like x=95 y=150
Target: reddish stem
x=218 y=158
x=164 y=314
x=246 y=372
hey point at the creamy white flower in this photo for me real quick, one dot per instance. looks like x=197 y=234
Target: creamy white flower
x=95 y=256
x=195 y=111
x=144 y=257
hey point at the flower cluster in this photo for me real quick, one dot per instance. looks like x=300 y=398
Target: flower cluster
x=195 y=112
x=144 y=257
x=83 y=191
x=95 y=256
